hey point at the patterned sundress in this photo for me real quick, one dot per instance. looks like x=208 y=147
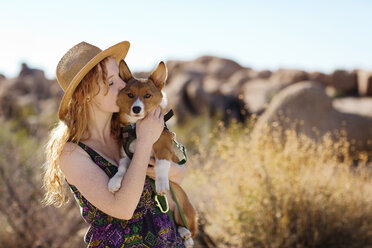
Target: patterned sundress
x=149 y=227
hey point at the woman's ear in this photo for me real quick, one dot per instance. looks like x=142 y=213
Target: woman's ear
x=124 y=71
x=159 y=75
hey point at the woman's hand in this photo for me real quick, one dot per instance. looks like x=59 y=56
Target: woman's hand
x=176 y=172
x=149 y=129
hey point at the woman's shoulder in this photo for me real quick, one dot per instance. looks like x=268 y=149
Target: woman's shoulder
x=71 y=153
x=74 y=162
x=72 y=148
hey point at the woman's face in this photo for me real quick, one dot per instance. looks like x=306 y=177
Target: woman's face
x=107 y=103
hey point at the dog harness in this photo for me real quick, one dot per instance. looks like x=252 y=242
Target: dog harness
x=129 y=135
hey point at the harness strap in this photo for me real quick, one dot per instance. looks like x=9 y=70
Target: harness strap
x=167 y=117
x=163 y=201
x=179 y=208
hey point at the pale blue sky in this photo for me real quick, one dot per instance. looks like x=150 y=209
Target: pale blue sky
x=310 y=35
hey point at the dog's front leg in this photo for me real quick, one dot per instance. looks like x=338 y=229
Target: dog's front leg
x=161 y=168
x=115 y=182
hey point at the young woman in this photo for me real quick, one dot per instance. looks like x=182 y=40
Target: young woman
x=83 y=151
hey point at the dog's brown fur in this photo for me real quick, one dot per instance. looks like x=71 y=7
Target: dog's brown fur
x=163 y=148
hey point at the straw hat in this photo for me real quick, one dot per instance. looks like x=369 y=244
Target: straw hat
x=77 y=62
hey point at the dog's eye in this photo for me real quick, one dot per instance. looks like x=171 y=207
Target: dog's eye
x=111 y=83
x=130 y=95
x=147 y=96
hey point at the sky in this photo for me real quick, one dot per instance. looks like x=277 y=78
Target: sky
x=263 y=35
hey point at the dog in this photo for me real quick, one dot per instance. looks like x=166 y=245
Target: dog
x=135 y=101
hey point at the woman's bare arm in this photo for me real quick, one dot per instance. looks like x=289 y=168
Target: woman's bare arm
x=92 y=181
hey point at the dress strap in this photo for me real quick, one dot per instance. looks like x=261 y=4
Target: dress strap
x=96 y=157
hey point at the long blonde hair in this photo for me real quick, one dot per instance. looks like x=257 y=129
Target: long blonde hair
x=72 y=129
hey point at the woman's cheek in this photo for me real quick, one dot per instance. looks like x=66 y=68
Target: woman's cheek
x=115 y=104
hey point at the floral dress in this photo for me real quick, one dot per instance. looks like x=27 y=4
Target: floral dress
x=149 y=227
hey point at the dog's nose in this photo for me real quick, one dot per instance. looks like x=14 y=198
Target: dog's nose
x=136 y=109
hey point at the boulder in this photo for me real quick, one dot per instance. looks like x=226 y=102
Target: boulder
x=234 y=83
x=194 y=67
x=354 y=105
x=307 y=104
x=177 y=97
x=264 y=74
x=364 y=82
x=257 y=94
x=289 y=76
x=320 y=77
x=344 y=81
x=26 y=91
x=222 y=68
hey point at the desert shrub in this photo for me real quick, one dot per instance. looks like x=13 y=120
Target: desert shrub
x=24 y=221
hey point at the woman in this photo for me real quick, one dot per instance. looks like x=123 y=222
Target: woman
x=84 y=150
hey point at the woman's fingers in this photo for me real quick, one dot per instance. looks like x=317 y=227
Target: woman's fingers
x=151 y=127
x=153 y=112
x=156 y=112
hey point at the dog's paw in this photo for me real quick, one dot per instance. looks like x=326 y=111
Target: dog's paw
x=162 y=185
x=114 y=184
x=186 y=236
x=184 y=232
x=189 y=243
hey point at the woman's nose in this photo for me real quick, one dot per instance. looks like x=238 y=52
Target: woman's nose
x=122 y=84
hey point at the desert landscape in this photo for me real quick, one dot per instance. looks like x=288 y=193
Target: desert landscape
x=275 y=158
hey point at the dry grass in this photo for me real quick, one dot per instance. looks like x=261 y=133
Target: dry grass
x=270 y=193
x=250 y=190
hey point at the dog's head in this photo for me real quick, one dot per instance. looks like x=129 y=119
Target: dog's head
x=140 y=96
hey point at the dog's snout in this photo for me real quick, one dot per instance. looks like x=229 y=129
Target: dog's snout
x=136 y=109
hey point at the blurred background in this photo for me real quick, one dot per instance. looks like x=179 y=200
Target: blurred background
x=273 y=101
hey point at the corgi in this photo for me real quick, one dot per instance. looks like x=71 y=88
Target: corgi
x=135 y=101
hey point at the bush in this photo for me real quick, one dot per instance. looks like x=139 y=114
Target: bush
x=24 y=222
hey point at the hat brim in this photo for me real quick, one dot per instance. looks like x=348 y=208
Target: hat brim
x=118 y=52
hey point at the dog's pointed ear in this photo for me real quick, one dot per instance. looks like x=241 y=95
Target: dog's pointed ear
x=159 y=75
x=124 y=71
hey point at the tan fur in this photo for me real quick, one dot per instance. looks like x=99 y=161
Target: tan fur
x=163 y=147
x=187 y=208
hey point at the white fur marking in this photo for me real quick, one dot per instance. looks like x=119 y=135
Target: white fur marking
x=161 y=168
x=132 y=146
x=138 y=103
x=164 y=100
